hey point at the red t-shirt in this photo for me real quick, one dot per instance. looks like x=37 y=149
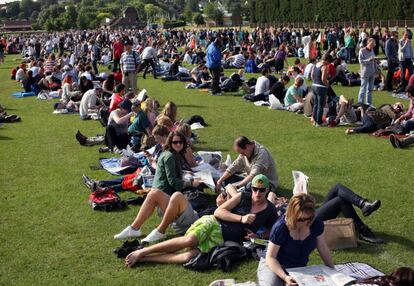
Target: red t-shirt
x=411 y=81
x=127 y=183
x=118 y=48
x=331 y=70
x=115 y=101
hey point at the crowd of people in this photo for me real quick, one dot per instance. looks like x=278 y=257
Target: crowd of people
x=249 y=203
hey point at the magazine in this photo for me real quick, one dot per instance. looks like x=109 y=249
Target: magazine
x=319 y=275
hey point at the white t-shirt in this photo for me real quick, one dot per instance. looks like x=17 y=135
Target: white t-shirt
x=149 y=53
x=87 y=75
x=88 y=101
x=308 y=71
x=35 y=70
x=262 y=85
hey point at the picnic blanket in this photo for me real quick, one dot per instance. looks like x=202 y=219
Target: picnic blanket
x=113 y=166
x=358 y=270
x=22 y=94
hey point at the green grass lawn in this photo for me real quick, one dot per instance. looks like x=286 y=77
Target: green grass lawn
x=49 y=235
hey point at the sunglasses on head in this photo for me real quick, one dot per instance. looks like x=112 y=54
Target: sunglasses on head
x=177 y=142
x=260 y=190
x=305 y=219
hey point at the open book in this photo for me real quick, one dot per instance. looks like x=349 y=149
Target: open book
x=319 y=275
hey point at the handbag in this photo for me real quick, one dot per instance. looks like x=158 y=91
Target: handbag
x=340 y=233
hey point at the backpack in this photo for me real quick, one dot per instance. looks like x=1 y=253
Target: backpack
x=106 y=200
x=221 y=257
x=196 y=119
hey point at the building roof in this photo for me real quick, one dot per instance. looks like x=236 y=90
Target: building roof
x=17 y=24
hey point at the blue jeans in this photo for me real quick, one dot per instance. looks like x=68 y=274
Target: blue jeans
x=409 y=125
x=115 y=184
x=367 y=85
x=318 y=103
x=368 y=125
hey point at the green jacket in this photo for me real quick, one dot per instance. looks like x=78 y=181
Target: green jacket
x=168 y=176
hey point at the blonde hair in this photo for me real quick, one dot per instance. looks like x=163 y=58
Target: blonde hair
x=149 y=105
x=170 y=110
x=299 y=205
x=164 y=120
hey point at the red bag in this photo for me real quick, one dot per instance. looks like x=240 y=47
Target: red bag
x=106 y=200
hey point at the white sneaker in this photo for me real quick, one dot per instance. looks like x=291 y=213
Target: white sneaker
x=154 y=236
x=127 y=233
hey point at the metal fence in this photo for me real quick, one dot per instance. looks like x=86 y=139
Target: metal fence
x=353 y=24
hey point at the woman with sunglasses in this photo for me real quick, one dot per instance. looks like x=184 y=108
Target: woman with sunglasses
x=292 y=239
x=165 y=195
x=236 y=220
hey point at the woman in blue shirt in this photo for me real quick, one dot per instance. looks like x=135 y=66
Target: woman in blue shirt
x=292 y=239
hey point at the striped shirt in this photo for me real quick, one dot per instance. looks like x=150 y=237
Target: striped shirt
x=49 y=66
x=129 y=61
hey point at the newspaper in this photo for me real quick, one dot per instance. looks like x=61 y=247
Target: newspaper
x=319 y=275
x=205 y=177
x=301 y=183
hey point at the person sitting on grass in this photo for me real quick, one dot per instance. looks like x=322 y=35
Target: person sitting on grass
x=116 y=135
x=294 y=96
x=89 y=103
x=235 y=220
x=262 y=87
x=341 y=200
x=167 y=186
x=139 y=127
x=116 y=97
x=292 y=239
x=373 y=120
x=170 y=110
x=407 y=119
x=253 y=159
x=185 y=129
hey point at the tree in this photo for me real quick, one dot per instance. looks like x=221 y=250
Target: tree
x=198 y=19
x=190 y=8
x=68 y=18
x=12 y=9
x=152 y=11
x=214 y=13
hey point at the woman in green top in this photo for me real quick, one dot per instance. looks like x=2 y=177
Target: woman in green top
x=168 y=175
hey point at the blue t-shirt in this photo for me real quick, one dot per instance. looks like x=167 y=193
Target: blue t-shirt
x=294 y=253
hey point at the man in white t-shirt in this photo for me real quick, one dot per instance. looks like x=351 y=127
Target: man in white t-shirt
x=89 y=103
x=262 y=83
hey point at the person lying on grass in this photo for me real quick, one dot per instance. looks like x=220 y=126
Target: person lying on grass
x=373 y=120
x=237 y=219
x=127 y=182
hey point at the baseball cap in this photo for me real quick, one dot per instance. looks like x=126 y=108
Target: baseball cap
x=260 y=181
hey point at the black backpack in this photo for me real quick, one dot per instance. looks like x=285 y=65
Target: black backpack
x=221 y=257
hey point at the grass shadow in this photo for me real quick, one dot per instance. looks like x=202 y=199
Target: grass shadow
x=191 y=106
x=409 y=244
x=5 y=138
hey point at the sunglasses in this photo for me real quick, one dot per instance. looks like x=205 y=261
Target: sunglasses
x=305 y=219
x=260 y=190
x=177 y=142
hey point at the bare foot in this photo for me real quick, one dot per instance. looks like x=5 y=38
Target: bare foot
x=133 y=258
